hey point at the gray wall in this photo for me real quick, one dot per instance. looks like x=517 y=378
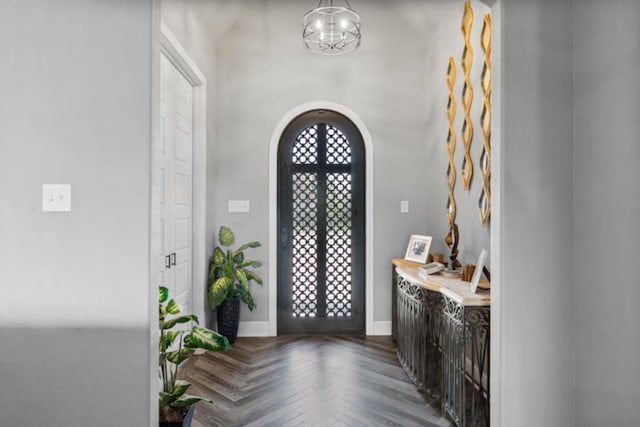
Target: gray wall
x=606 y=211
x=74 y=377
x=570 y=337
x=537 y=296
x=74 y=109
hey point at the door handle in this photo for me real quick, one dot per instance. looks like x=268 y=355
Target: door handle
x=167 y=261
x=284 y=237
x=173 y=259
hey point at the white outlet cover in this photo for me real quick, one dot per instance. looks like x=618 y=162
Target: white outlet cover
x=404 y=206
x=56 y=197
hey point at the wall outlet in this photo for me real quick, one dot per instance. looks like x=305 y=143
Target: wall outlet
x=404 y=206
x=56 y=198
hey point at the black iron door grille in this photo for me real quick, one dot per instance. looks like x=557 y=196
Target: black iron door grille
x=321 y=256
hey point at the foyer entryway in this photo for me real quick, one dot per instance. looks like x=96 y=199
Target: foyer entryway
x=321 y=226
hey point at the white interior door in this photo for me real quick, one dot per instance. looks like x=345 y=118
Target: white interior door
x=176 y=170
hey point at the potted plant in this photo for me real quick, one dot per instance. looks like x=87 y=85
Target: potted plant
x=229 y=278
x=175 y=346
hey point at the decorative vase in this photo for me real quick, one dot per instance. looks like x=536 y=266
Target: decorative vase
x=184 y=423
x=228 y=315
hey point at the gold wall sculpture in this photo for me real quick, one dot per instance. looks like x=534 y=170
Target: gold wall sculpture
x=452 y=236
x=451 y=142
x=484 y=203
x=467 y=95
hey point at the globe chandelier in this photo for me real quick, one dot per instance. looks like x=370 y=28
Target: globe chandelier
x=330 y=29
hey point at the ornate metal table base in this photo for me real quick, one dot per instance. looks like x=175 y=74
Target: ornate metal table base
x=418 y=332
x=465 y=363
x=443 y=346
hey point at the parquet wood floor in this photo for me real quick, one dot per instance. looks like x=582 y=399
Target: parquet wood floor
x=308 y=381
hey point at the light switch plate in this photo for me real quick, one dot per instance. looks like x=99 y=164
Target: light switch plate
x=56 y=198
x=239 y=206
x=404 y=206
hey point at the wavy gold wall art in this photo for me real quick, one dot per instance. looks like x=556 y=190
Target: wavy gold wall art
x=484 y=203
x=452 y=236
x=451 y=142
x=467 y=95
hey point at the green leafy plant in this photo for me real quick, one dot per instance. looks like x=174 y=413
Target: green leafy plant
x=176 y=346
x=229 y=275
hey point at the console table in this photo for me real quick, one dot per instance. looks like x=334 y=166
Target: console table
x=442 y=334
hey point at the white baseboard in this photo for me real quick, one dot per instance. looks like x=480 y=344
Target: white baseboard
x=254 y=329
x=382 y=327
x=261 y=329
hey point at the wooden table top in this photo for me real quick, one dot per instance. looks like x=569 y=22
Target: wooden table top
x=453 y=287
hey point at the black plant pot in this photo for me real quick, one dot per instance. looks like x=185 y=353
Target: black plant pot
x=185 y=423
x=228 y=314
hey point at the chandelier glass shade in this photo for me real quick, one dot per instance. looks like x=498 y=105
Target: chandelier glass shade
x=330 y=29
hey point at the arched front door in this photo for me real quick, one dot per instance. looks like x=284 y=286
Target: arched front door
x=321 y=226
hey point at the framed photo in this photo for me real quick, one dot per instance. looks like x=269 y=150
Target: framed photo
x=418 y=249
x=478 y=271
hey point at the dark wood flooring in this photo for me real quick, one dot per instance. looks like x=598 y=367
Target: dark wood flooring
x=308 y=381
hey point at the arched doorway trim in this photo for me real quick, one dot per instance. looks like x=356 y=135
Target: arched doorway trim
x=273 y=214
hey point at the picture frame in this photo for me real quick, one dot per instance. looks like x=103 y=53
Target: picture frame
x=478 y=271
x=418 y=248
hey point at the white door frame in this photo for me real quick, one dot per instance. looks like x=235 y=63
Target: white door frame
x=273 y=207
x=164 y=42
x=175 y=53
